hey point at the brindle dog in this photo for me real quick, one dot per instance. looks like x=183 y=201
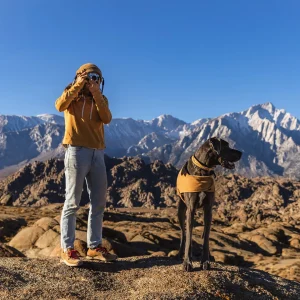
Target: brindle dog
x=213 y=152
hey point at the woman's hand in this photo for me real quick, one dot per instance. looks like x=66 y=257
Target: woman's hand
x=81 y=77
x=93 y=86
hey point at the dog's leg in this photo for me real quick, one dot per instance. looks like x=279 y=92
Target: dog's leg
x=190 y=200
x=181 y=218
x=207 y=207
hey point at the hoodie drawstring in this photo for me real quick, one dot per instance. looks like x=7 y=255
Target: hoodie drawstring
x=90 y=111
x=83 y=108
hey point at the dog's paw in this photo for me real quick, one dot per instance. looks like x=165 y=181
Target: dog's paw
x=205 y=265
x=187 y=266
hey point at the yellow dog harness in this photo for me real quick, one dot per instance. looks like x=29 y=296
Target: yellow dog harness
x=193 y=183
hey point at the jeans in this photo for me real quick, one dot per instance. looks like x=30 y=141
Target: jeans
x=84 y=164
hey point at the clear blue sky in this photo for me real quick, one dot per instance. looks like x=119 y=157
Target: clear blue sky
x=191 y=59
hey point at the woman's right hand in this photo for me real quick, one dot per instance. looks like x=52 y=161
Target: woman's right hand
x=81 y=77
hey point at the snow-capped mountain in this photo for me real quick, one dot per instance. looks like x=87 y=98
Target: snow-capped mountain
x=50 y=118
x=123 y=134
x=269 y=138
x=18 y=123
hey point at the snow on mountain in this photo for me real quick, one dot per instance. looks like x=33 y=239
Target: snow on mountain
x=50 y=118
x=18 y=123
x=29 y=143
x=149 y=142
x=269 y=138
x=122 y=134
x=166 y=122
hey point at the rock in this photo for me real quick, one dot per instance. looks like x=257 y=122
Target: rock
x=256 y=258
x=114 y=234
x=235 y=228
x=26 y=238
x=46 y=251
x=140 y=238
x=56 y=251
x=107 y=244
x=276 y=190
x=242 y=215
x=32 y=253
x=295 y=243
x=56 y=228
x=6 y=199
x=227 y=258
x=7 y=251
x=130 y=234
x=261 y=241
x=81 y=235
x=57 y=219
x=56 y=241
x=173 y=253
x=289 y=253
x=159 y=253
x=46 y=223
x=46 y=239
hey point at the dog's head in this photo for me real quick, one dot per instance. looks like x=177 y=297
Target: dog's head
x=225 y=155
x=216 y=151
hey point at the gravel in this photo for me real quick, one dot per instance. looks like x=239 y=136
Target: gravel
x=142 y=277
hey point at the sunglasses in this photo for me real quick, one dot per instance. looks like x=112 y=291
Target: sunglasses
x=94 y=76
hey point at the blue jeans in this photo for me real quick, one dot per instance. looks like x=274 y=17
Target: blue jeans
x=84 y=164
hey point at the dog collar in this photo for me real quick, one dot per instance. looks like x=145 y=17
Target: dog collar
x=197 y=163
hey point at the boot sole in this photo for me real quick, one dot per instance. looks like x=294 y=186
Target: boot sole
x=71 y=265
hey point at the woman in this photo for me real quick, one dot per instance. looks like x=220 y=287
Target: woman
x=86 y=111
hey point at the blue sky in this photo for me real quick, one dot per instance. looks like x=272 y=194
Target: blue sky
x=191 y=59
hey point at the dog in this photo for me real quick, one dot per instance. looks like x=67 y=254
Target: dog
x=195 y=186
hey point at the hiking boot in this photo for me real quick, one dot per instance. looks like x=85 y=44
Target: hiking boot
x=70 y=258
x=101 y=253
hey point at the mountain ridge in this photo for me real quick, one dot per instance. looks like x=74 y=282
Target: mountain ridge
x=269 y=138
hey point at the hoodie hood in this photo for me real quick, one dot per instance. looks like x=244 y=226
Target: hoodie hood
x=90 y=68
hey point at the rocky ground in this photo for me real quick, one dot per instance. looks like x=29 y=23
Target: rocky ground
x=256 y=224
x=35 y=233
x=141 y=277
x=131 y=183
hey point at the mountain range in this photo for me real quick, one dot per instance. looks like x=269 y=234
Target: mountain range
x=269 y=138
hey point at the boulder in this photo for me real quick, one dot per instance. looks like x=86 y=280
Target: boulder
x=26 y=238
x=46 y=239
x=46 y=223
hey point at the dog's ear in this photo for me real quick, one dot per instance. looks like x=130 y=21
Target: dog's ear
x=218 y=144
x=215 y=144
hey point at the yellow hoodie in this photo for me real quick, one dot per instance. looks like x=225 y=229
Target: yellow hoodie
x=84 y=117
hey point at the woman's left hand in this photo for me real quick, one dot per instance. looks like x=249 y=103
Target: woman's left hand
x=93 y=86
